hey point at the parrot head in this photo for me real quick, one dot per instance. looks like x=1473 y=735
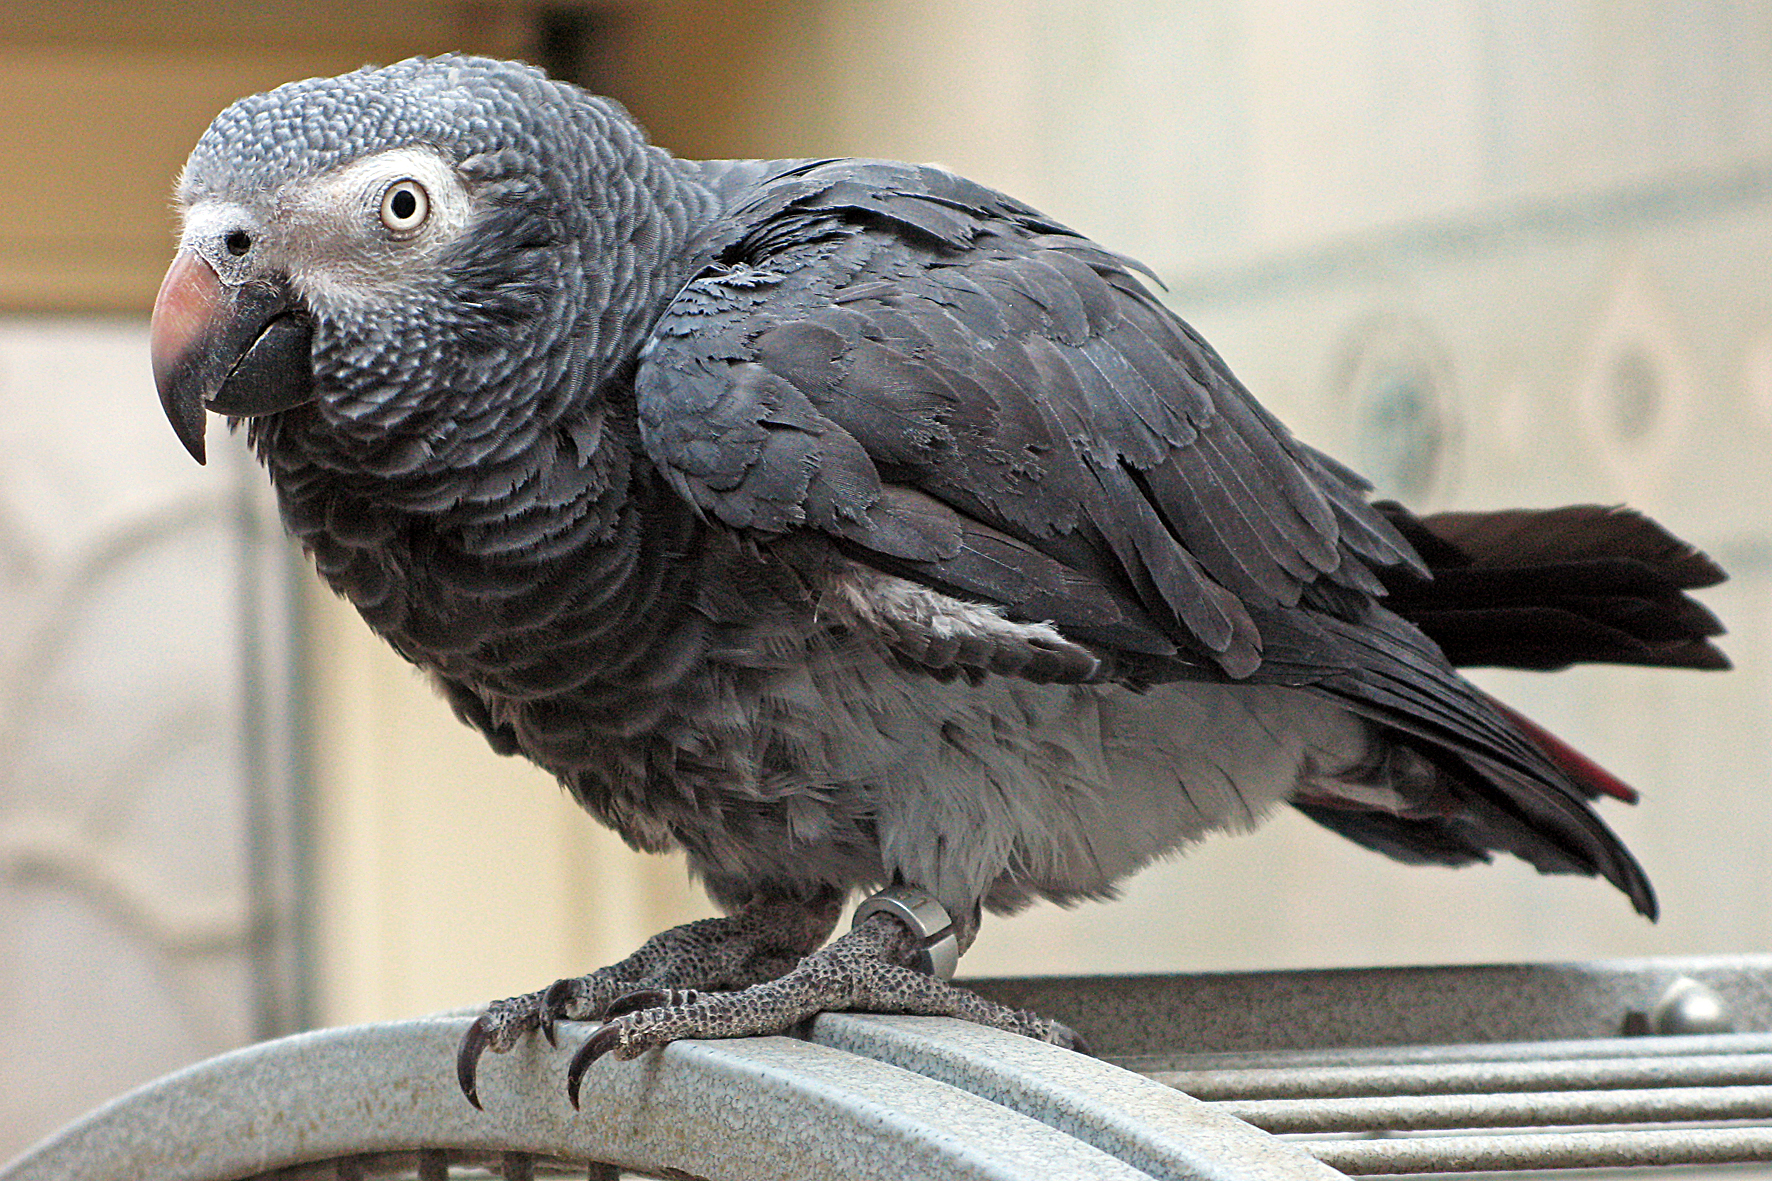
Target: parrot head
x=388 y=250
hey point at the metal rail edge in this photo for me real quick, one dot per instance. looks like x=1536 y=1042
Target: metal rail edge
x=866 y=1097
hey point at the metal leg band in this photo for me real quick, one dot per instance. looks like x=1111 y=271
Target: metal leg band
x=927 y=919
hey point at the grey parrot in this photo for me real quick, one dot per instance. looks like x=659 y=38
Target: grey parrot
x=850 y=526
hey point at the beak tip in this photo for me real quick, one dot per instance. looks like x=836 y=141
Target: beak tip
x=183 y=405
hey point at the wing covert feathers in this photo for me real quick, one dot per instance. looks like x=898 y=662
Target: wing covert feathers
x=869 y=324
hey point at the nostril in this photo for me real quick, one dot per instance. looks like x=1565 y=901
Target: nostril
x=238 y=243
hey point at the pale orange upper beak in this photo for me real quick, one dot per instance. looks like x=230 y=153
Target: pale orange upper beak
x=240 y=350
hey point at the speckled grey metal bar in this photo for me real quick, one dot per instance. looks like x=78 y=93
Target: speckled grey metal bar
x=1545 y=1051
x=932 y=1098
x=745 y=1109
x=1159 y=1130
x=1557 y=1150
x=1471 y=1077
x=1164 y=1015
x=1522 y=1110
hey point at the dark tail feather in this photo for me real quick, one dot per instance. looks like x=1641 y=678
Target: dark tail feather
x=1547 y=588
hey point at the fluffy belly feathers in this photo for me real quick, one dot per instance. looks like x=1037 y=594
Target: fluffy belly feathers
x=1003 y=791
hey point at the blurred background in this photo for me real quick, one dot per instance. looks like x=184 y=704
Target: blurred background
x=1492 y=252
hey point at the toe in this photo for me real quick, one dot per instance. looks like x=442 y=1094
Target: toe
x=497 y=1029
x=467 y=1060
x=1063 y=1035
x=556 y=998
x=649 y=998
x=597 y=1045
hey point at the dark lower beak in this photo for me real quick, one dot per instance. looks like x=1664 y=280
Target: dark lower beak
x=234 y=350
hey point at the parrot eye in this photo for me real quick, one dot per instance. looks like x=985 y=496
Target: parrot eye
x=404 y=207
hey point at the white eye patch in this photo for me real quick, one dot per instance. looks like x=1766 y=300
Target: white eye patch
x=361 y=233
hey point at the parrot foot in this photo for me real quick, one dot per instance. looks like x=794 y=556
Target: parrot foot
x=761 y=941
x=867 y=970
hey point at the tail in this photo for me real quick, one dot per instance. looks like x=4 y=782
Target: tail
x=1451 y=777
x=1547 y=588
x=1533 y=589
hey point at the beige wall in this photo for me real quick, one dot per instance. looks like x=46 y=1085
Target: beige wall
x=146 y=871
x=1323 y=187
x=1516 y=200
x=105 y=99
x=443 y=874
x=1327 y=189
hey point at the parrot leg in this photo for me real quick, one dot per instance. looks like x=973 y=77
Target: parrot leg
x=867 y=970
x=761 y=941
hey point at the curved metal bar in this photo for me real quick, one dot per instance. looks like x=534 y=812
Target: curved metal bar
x=1160 y=1130
x=748 y=1108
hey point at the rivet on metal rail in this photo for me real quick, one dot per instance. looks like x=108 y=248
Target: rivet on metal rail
x=1689 y=1007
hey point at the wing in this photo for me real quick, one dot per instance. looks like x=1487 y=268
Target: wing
x=967 y=395
x=971 y=396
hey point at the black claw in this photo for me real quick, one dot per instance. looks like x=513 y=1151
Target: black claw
x=597 y=1045
x=553 y=1002
x=646 y=998
x=467 y=1060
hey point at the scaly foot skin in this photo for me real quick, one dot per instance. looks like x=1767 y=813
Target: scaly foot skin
x=760 y=942
x=863 y=971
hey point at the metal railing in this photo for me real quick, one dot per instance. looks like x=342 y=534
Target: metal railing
x=1461 y=1070
x=1222 y=1077
x=864 y=1097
